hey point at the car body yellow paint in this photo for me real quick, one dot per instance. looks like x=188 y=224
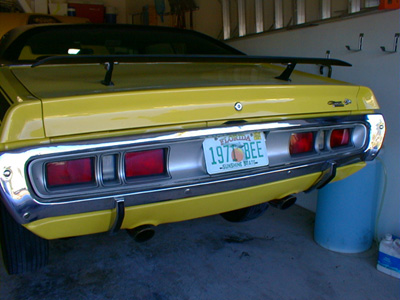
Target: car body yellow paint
x=23 y=122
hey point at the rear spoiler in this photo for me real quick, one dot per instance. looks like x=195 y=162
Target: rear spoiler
x=110 y=60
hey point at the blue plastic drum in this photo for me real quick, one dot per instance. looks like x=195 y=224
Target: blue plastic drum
x=346 y=210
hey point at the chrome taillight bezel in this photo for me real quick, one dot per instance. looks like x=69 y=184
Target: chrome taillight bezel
x=184 y=160
x=37 y=173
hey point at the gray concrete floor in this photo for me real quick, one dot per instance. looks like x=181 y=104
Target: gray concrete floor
x=273 y=257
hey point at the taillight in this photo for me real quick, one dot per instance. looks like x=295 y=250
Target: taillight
x=340 y=137
x=144 y=163
x=301 y=142
x=70 y=172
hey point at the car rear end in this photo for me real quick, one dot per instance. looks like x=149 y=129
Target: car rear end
x=162 y=147
x=107 y=142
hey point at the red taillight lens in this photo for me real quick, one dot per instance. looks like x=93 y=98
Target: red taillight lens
x=301 y=142
x=69 y=172
x=340 y=137
x=144 y=163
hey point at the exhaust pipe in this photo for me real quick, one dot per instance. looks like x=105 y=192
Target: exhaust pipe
x=142 y=233
x=283 y=203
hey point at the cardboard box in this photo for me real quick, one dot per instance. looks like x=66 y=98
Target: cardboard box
x=94 y=12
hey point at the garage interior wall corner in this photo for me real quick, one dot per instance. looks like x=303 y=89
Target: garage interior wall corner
x=371 y=67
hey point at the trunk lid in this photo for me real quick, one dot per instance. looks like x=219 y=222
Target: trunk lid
x=168 y=94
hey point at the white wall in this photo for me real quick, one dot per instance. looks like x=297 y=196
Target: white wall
x=371 y=67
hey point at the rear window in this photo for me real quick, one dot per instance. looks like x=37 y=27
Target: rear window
x=112 y=40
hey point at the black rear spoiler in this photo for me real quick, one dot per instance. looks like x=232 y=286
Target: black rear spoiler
x=110 y=60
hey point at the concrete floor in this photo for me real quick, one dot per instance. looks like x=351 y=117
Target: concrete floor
x=273 y=257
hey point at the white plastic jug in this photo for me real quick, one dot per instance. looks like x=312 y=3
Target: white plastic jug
x=389 y=256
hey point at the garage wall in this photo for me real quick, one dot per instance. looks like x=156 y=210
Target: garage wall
x=371 y=67
x=207 y=19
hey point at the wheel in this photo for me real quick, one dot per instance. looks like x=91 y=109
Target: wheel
x=245 y=214
x=22 y=250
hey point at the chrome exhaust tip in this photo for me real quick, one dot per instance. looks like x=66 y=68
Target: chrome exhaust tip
x=142 y=233
x=283 y=203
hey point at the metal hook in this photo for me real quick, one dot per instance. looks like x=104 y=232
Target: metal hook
x=395 y=42
x=360 y=43
x=328 y=54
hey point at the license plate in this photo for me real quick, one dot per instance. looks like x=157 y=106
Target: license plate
x=235 y=152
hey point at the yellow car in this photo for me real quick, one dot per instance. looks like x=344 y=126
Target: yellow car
x=105 y=128
x=9 y=21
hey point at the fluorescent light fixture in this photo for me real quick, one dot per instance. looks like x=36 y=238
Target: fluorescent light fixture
x=73 y=51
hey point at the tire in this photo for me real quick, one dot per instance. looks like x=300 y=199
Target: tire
x=22 y=250
x=245 y=214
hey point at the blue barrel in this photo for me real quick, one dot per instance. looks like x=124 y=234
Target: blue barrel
x=346 y=211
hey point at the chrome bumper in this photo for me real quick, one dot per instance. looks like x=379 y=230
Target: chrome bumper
x=27 y=202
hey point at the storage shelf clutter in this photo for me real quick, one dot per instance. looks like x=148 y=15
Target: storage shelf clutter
x=94 y=11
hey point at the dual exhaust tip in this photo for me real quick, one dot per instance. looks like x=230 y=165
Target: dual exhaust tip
x=146 y=232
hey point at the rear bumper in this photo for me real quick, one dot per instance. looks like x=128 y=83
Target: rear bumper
x=27 y=205
x=177 y=210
